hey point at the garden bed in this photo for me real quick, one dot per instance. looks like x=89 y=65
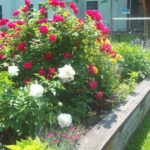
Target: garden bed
x=115 y=130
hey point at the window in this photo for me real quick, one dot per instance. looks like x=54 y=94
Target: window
x=1 y=12
x=41 y=5
x=92 y=5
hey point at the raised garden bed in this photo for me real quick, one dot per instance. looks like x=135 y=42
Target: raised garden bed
x=115 y=130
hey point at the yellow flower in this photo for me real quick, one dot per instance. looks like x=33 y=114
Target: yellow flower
x=119 y=57
x=113 y=60
x=95 y=69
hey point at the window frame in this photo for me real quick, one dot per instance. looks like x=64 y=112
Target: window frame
x=95 y=6
x=1 y=11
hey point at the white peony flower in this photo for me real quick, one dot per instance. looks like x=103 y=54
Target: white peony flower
x=13 y=70
x=64 y=120
x=36 y=90
x=66 y=73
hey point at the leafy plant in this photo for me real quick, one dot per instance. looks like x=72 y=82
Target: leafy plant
x=29 y=144
x=135 y=60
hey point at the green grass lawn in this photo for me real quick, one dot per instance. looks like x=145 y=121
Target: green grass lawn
x=141 y=139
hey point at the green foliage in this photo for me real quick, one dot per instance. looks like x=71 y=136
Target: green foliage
x=29 y=144
x=135 y=59
x=21 y=114
x=126 y=87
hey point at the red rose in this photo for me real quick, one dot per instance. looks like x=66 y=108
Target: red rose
x=99 y=95
x=3 y=21
x=16 y=13
x=1 y=47
x=11 y=25
x=1 y=56
x=52 y=71
x=92 y=84
x=20 y=22
x=42 y=11
x=21 y=46
x=74 y=8
x=67 y=55
x=48 y=56
x=27 y=65
x=27 y=2
x=58 y=19
x=2 y=34
x=52 y=38
x=43 y=29
x=42 y=72
x=25 y=9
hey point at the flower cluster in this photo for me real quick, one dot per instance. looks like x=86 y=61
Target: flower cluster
x=64 y=52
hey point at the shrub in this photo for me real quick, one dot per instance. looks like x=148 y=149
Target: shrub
x=135 y=60
x=67 y=60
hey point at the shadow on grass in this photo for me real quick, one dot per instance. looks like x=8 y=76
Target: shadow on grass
x=141 y=139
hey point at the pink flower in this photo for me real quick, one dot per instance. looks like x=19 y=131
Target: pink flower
x=39 y=21
x=45 y=20
x=67 y=55
x=74 y=8
x=52 y=38
x=2 y=34
x=61 y=4
x=105 y=48
x=58 y=19
x=1 y=56
x=27 y=65
x=99 y=95
x=80 y=20
x=21 y=46
x=11 y=25
x=19 y=29
x=27 y=2
x=57 y=3
x=43 y=29
x=56 y=141
x=92 y=84
x=1 y=47
x=48 y=56
x=42 y=11
x=42 y=72
x=20 y=22
x=25 y=9
x=73 y=129
x=3 y=21
x=16 y=13
x=51 y=135
x=75 y=137
x=64 y=135
x=51 y=71
x=94 y=14
x=100 y=26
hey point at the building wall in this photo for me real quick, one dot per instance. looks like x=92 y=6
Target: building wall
x=104 y=7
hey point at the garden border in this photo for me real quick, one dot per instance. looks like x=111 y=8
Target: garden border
x=114 y=131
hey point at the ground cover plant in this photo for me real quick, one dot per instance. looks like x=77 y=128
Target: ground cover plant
x=54 y=72
x=141 y=139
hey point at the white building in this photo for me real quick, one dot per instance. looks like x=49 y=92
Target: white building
x=108 y=9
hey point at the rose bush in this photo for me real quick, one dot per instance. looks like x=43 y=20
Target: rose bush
x=67 y=60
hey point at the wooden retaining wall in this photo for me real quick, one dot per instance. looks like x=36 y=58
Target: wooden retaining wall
x=115 y=130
